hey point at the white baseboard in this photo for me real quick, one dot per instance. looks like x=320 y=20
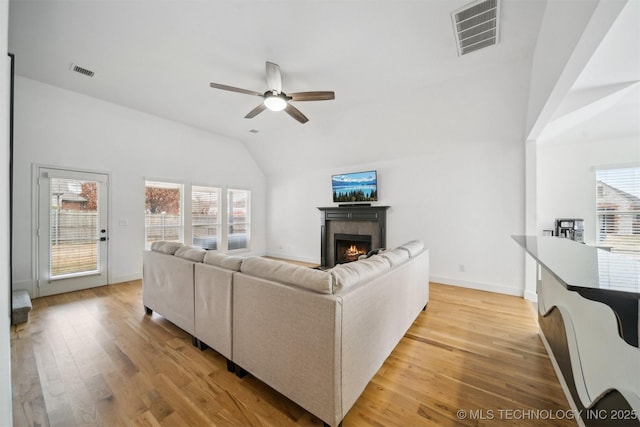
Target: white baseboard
x=531 y=296
x=501 y=289
x=125 y=278
x=31 y=287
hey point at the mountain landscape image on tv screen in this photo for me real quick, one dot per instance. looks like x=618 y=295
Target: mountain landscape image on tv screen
x=355 y=187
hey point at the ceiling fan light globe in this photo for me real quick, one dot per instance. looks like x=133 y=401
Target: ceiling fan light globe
x=275 y=103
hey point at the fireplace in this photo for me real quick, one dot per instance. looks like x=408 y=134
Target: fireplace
x=350 y=220
x=349 y=247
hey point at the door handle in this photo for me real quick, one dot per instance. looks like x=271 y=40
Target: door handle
x=103 y=239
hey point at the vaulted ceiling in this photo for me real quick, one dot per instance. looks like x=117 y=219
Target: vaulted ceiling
x=604 y=101
x=400 y=85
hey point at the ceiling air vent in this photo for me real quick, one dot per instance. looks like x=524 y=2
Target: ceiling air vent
x=81 y=70
x=476 y=25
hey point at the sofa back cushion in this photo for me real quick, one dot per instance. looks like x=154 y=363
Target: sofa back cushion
x=396 y=256
x=414 y=247
x=191 y=253
x=163 y=246
x=352 y=273
x=223 y=261
x=284 y=272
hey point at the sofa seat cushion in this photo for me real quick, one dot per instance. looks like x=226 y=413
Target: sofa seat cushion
x=414 y=247
x=165 y=247
x=396 y=256
x=223 y=261
x=352 y=273
x=191 y=253
x=284 y=272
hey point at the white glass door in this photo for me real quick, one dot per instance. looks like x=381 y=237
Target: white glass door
x=72 y=230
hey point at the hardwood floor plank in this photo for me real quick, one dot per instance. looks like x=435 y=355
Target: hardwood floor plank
x=56 y=400
x=94 y=358
x=127 y=396
x=158 y=406
x=68 y=349
x=182 y=404
x=146 y=419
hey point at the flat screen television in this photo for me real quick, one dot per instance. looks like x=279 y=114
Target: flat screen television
x=355 y=187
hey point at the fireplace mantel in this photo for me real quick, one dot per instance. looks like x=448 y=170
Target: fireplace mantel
x=350 y=214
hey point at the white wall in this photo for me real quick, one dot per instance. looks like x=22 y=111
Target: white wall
x=556 y=62
x=566 y=177
x=463 y=204
x=462 y=193
x=62 y=128
x=5 y=314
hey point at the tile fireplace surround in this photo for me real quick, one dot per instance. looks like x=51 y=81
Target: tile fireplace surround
x=358 y=219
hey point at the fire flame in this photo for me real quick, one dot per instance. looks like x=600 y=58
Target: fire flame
x=352 y=253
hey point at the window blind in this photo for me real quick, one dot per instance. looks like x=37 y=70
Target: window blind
x=73 y=227
x=205 y=216
x=618 y=210
x=238 y=234
x=163 y=212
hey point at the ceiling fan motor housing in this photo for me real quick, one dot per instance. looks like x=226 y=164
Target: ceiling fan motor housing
x=276 y=101
x=272 y=93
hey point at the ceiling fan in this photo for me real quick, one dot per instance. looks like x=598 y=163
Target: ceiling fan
x=275 y=99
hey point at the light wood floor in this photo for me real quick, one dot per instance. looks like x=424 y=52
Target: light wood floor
x=93 y=358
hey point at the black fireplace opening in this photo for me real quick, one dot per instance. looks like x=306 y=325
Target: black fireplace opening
x=349 y=247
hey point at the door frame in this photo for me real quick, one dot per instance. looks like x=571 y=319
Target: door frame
x=36 y=169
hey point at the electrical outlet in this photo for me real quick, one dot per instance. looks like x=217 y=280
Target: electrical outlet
x=461 y=268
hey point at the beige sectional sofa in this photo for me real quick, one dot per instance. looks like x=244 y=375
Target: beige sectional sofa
x=168 y=283
x=213 y=281
x=317 y=337
x=191 y=288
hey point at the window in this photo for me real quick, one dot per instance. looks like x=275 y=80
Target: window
x=618 y=210
x=205 y=226
x=205 y=217
x=74 y=226
x=163 y=212
x=239 y=219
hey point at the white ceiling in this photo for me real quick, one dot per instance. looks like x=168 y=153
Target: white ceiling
x=604 y=101
x=383 y=59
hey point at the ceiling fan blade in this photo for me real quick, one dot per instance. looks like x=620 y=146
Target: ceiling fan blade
x=295 y=113
x=312 y=96
x=259 y=109
x=235 y=89
x=274 y=79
